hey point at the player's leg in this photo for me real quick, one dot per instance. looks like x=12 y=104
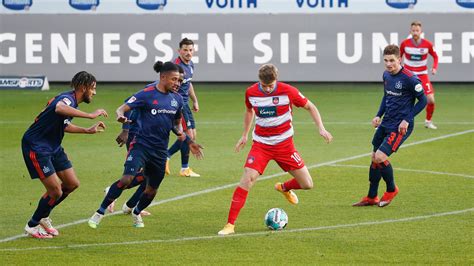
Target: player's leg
x=134 y=162
x=288 y=158
x=154 y=172
x=139 y=181
x=190 y=130
x=255 y=165
x=374 y=172
x=390 y=145
x=430 y=106
x=40 y=167
x=69 y=183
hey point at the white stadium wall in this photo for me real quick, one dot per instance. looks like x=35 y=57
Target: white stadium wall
x=310 y=40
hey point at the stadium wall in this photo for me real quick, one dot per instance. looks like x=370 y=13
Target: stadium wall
x=230 y=47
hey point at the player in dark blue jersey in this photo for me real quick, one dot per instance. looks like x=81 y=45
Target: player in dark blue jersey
x=129 y=130
x=159 y=112
x=186 y=90
x=45 y=157
x=398 y=109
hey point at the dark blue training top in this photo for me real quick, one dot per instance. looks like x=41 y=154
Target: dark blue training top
x=157 y=112
x=46 y=133
x=398 y=103
x=133 y=114
x=188 y=76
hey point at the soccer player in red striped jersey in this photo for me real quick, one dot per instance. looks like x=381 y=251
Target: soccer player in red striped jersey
x=270 y=102
x=414 y=52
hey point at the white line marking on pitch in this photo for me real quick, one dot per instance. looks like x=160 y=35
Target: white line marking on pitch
x=406 y=170
x=259 y=179
x=260 y=233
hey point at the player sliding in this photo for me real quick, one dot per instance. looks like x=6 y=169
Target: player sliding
x=398 y=109
x=159 y=111
x=45 y=157
x=270 y=102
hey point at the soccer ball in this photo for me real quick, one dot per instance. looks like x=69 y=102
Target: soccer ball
x=276 y=219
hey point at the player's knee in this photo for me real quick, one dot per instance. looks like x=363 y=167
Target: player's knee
x=55 y=193
x=150 y=192
x=72 y=186
x=126 y=180
x=306 y=184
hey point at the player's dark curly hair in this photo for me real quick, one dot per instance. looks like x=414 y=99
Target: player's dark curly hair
x=161 y=67
x=82 y=79
x=185 y=41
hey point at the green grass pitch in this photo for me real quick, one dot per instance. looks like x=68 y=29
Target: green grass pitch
x=430 y=222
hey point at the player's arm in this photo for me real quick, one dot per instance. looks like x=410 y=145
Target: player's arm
x=433 y=53
x=96 y=128
x=419 y=106
x=402 y=51
x=66 y=110
x=248 y=119
x=316 y=116
x=377 y=119
x=193 y=97
x=120 y=112
x=123 y=135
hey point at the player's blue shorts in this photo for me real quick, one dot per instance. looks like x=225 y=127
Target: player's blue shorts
x=388 y=140
x=188 y=117
x=41 y=165
x=131 y=136
x=153 y=162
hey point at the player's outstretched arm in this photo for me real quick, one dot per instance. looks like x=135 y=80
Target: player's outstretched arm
x=248 y=119
x=96 y=128
x=314 y=112
x=66 y=110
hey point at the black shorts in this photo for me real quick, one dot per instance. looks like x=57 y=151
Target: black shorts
x=152 y=161
x=43 y=164
x=388 y=140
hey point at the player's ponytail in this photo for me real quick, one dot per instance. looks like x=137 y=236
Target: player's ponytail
x=161 y=67
x=157 y=66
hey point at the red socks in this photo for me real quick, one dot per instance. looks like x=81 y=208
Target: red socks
x=429 y=111
x=291 y=184
x=238 y=202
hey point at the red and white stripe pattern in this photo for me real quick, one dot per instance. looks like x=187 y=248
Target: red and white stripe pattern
x=273 y=112
x=415 y=56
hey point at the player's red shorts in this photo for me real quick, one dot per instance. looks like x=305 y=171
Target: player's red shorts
x=425 y=81
x=284 y=154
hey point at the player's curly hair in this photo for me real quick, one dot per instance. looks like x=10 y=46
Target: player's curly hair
x=83 y=79
x=391 y=49
x=267 y=73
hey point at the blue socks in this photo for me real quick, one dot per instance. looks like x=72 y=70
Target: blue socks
x=45 y=205
x=115 y=191
x=387 y=174
x=374 y=178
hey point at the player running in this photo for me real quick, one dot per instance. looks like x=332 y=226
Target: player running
x=414 y=52
x=45 y=157
x=129 y=130
x=270 y=102
x=186 y=90
x=398 y=109
x=159 y=112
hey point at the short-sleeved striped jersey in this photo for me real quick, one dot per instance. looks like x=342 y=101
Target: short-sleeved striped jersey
x=273 y=111
x=415 y=56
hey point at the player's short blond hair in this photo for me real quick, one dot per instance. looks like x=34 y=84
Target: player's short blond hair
x=392 y=49
x=267 y=73
x=416 y=23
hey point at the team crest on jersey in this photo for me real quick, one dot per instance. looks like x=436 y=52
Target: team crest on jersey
x=250 y=159
x=174 y=103
x=398 y=85
x=275 y=100
x=418 y=87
